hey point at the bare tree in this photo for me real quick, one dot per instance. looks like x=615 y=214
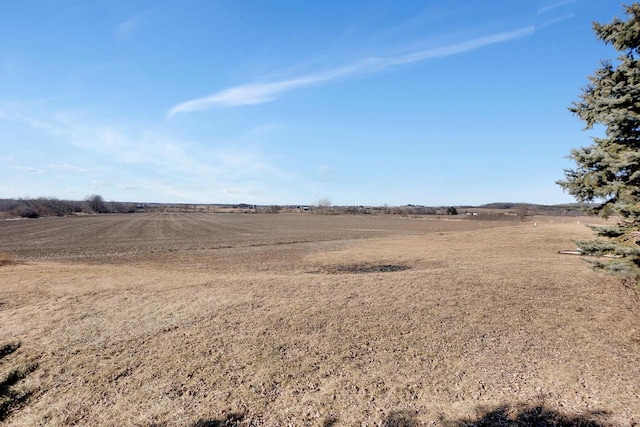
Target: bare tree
x=324 y=206
x=522 y=210
x=97 y=204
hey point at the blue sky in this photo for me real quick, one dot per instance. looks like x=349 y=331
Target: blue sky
x=284 y=102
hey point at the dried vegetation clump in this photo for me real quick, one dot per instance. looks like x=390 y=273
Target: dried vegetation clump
x=197 y=320
x=6 y=259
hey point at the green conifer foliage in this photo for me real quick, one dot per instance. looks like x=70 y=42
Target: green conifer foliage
x=608 y=171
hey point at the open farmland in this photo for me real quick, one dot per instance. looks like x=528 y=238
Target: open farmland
x=222 y=319
x=144 y=235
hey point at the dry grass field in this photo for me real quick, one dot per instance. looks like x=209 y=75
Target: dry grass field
x=215 y=319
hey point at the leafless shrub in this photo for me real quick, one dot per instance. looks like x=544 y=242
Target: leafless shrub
x=97 y=204
x=324 y=206
x=522 y=210
x=42 y=206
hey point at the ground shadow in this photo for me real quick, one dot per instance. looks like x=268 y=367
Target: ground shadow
x=519 y=415
x=330 y=421
x=228 y=421
x=231 y=420
x=401 y=419
x=530 y=415
x=10 y=398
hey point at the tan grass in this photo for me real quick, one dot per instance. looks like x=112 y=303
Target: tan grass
x=487 y=322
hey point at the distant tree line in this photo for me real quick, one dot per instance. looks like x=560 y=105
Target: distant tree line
x=50 y=206
x=95 y=204
x=567 y=209
x=518 y=209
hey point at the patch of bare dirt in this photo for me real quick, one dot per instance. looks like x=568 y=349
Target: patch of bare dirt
x=364 y=268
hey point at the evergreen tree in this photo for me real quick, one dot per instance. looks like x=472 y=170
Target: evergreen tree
x=608 y=171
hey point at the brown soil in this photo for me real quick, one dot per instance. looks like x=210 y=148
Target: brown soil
x=206 y=320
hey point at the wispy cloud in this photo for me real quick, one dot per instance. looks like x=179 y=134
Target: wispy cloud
x=258 y=93
x=553 y=6
x=125 y=145
x=70 y=168
x=555 y=21
x=151 y=160
x=127 y=27
x=28 y=169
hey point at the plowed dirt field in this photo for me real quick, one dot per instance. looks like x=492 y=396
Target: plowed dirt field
x=230 y=319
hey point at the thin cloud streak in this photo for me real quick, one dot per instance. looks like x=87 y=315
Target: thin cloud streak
x=70 y=168
x=125 y=28
x=28 y=169
x=554 y=6
x=259 y=93
x=241 y=165
x=555 y=21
